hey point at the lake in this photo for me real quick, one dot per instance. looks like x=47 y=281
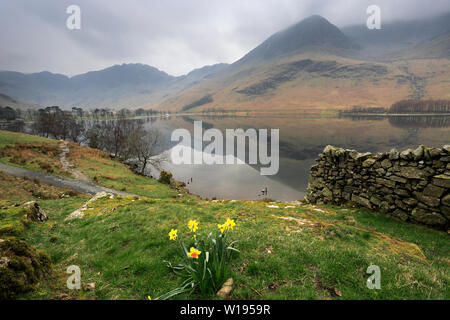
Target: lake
x=302 y=138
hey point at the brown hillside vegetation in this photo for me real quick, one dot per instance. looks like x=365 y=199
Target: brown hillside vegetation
x=321 y=82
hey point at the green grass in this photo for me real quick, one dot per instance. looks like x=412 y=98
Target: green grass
x=8 y=138
x=122 y=251
x=299 y=252
x=31 y=153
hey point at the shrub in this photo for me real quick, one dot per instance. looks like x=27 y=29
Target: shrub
x=165 y=177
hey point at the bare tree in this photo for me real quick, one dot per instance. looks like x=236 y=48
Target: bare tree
x=146 y=147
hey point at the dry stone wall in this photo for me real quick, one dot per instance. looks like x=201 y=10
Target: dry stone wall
x=412 y=185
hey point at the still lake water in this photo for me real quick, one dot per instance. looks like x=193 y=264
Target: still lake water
x=302 y=138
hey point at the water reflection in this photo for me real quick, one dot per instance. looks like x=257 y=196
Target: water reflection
x=301 y=140
x=420 y=122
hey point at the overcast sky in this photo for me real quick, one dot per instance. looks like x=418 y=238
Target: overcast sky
x=175 y=36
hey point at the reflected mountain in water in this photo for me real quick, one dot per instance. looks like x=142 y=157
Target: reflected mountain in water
x=302 y=138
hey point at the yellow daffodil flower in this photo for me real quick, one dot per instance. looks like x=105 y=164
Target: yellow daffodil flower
x=230 y=224
x=194 y=253
x=193 y=225
x=222 y=227
x=173 y=234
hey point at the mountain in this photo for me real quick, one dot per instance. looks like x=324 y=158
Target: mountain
x=312 y=34
x=310 y=65
x=435 y=48
x=7 y=101
x=120 y=85
x=126 y=85
x=396 y=36
x=118 y=75
x=314 y=65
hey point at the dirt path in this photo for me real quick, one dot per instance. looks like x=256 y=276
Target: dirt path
x=67 y=166
x=83 y=186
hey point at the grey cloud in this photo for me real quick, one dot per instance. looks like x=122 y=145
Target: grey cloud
x=173 y=35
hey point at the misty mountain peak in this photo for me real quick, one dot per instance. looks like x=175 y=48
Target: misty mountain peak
x=312 y=33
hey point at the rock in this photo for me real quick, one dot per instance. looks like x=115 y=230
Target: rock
x=428 y=218
x=78 y=214
x=387 y=183
x=394 y=154
x=226 y=289
x=410 y=201
x=402 y=192
x=363 y=156
x=433 y=191
x=353 y=154
x=400 y=204
x=406 y=155
x=446 y=200
x=361 y=201
x=446 y=148
x=445 y=211
x=376 y=201
x=330 y=150
x=442 y=180
x=431 y=201
x=327 y=193
x=35 y=212
x=418 y=153
x=411 y=173
x=89 y=286
x=397 y=179
x=434 y=152
x=401 y=214
x=368 y=163
x=386 y=163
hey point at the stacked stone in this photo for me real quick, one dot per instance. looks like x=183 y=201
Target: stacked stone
x=412 y=185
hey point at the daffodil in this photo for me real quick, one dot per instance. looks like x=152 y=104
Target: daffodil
x=230 y=224
x=149 y=298
x=193 y=225
x=222 y=227
x=194 y=253
x=173 y=234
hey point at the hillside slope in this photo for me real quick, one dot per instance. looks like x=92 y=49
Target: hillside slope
x=312 y=65
x=7 y=101
x=120 y=243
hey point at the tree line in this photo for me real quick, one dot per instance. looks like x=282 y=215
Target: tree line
x=114 y=132
x=421 y=106
x=128 y=140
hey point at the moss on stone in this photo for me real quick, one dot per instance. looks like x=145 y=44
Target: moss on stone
x=23 y=266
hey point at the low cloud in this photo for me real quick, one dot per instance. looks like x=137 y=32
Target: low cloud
x=175 y=36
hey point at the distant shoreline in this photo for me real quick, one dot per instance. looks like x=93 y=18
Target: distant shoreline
x=394 y=114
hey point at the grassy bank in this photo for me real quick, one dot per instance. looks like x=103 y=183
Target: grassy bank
x=288 y=251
